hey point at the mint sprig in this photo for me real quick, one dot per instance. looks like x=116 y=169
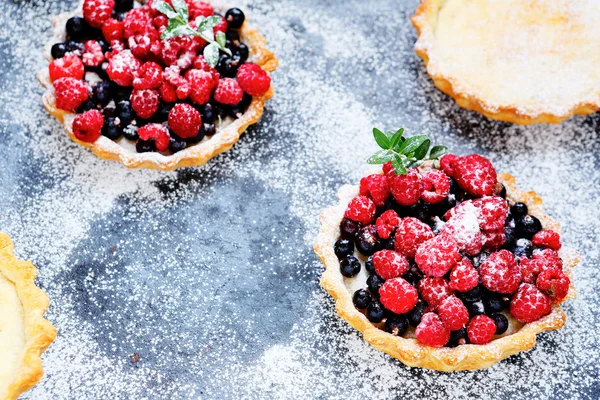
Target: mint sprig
x=179 y=25
x=404 y=152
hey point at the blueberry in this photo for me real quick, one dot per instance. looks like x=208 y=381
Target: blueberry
x=361 y=299
x=519 y=210
x=349 y=228
x=110 y=112
x=227 y=66
x=414 y=315
x=145 y=146
x=367 y=241
x=86 y=106
x=396 y=325
x=73 y=46
x=235 y=18
x=388 y=244
x=522 y=248
x=162 y=114
x=343 y=247
x=241 y=107
x=123 y=5
x=413 y=274
x=369 y=266
x=104 y=44
x=58 y=50
x=457 y=337
x=176 y=144
x=510 y=234
x=527 y=226
x=103 y=93
x=421 y=211
x=130 y=131
x=454 y=188
x=233 y=37
x=350 y=266
x=374 y=282
x=125 y=112
x=78 y=28
x=208 y=113
x=501 y=323
x=111 y=129
x=243 y=52
x=122 y=93
x=493 y=303
x=440 y=208
x=472 y=295
x=375 y=312
x=476 y=308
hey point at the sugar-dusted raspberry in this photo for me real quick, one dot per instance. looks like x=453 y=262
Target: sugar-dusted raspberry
x=87 y=127
x=156 y=132
x=202 y=85
x=361 y=209
x=436 y=186
x=168 y=92
x=530 y=269
x=198 y=8
x=547 y=238
x=201 y=64
x=172 y=75
x=410 y=234
x=149 y=76
x=500 y=272
x=492 y=213
x=228 y=92
x=389 y=264
x=160 y=22
x=431 y=331
x=70 y=66
x=447 y=164
x=122 y=68
x=406 y=188
x=180 y=51
x=387 y=224
x=453 y=313
x=550 y=258
x=529 y=304
x=143 y=45
x=463 y=226
x=475 y=175
x=464 y=276
x=494 y=240
x=221 y=26
x=185 y=120
x=398 y=296
x=116 y=47
x=481 y=329
x=93 y=55
x=137 y=22
x=434 y=290
x=253 y=79
x=96 y=12
x=438 y=255
x=376 y=187
x=145 y=102
x=387 y=168
x=70 y=93
x=112 y=29
x=553 y=282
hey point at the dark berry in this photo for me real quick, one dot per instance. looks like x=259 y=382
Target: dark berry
x=143 y=146
x=105 y=46
x=375 y=312
x=350 y=266
x=369 y=266
x=510 y=234
x=243 y=52
x=443 y=206
x=361 y=299
x=349 y=228
x=130 y=132
x=241 y=107
x=208 y=113
x=123 y=5
x=472 y=295
x=162 y=114
x=176 y=144
x=374 y=282
x=421 y=211
x=235 y=18
x=125 y=112
x=479 y=259
x=78 y=28
x=396 y=325
x=122 y=93
x=367 y=241
x=196 y=139
x=75 y=46
x=457 y=337
x=208 y=129
x=86 y=106
x=58 y=50
x=109 y=112
x=493 y=304
x=227 y=67
x=502 y=192
x=414 y=274
x=103 y=93
x=522 y=248
x=343 y=247
x=501 y=323
x=519 y=210
x=111 y=129
x=527 y=226
x=388 y=244
x=414 y=315
x=233 y=37
x=476 y=308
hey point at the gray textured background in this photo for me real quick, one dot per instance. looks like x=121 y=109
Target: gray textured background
x=208 y=273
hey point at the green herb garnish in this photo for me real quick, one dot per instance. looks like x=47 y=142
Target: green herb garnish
x=179 y=25
x=404 y=152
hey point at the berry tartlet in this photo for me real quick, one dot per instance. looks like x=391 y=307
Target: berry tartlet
x=157 y=84
x=442 y=263
x=24 y=333
x=522 y=61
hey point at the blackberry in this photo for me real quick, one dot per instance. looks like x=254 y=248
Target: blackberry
x=361 y=299
x=350 y=266
x=476 y=308
x=343 y=247
x=415 y=315
x=58 y=50
x=527 y=226
x=176 y=144
x=123 y=5
x=145 y=146
x=457 y=337
x=374 y=283
x=369 y=266
x=78 y=28
x=501 y=323
x=111 y=129
x=375 y=312
x=519 y=210
x=367 y=241
x=522 y=248
x=125 y=112
x=235 y=18
x=472 y=295
x=349 y=228
x=103 y=93
x=396 y=325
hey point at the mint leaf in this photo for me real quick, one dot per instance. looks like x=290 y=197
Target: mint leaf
x=398 y=164
x=381 y=138
x=211 y=54
x=181 y=8
x=437 y=152
x=381 y=157
x=397 y=138
x=411 y=144
x=422 y=150
x=221 y=39
x=164 y=8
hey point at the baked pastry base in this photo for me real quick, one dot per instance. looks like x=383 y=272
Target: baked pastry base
x=519 y=337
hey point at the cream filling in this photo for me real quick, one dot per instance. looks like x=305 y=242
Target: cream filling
x=12 y=333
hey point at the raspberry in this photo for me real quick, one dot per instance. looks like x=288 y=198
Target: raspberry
x=554 y=283
x=529 y=304
x=221 y=26
x=463 y=276
x=228 y=92
x=122 y=68
x=550 y=258
x=494 y=240
x=398 y=296
x=547 y=238
x=156 y=132
x=492 y=213
x=96 y=12
x=376 y=187
x=180 y=51
x=149 y=76
x=145 y=102
x=431 y=331
x=112 y=29
x=182 y=87
x=201 y=64
x=70 y=66
x=436 y=186
x=160 y=21
x=453 y=313
x=185 y=120
x=406 y=188
x=447 y=164
x=463 y=226
x=410 y=234
x=500 y=272
x=93 y=55
x=70 y=93
x=137 y=22
x=361 y=209
x=142 y=45
x=168 y=92
x=434 y=290
x=387 y=224
x=437 y=256
x=387 y=168
x=87 y=127
x=389 y=264
x=475 y=175
x=202 y=85
x=530 y=269
x=253 y=79
x=199 y=9
x=481 y=329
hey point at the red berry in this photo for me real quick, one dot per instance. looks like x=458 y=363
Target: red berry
x=93 y=55
x=529 y=304
x=96 y=12
x=554 y=282
x=149 y=76
x=431 y=331
x=228 y=92
x=70 y=93
x=376 y=187
x=530 y=269
x=201 y=64
x=156 y=132
x=122 y=68
x=168 y=92
x=137 y=22
x=494 y=240
x=387 y=224
x=410 y=234
x=112 y=29
x=182 y=87
x=141 y=45
x=437 y=256
x=464 y=276
x=180 y=51
x=87 y=127
x=436 y=186
x=547 y=238
x=463 y=226
x=398 y=296
x=202 y=85
x=492 y=213
x=500 y=272
x=221 y=26
x=481 y=329
x=199 y=8
x=145 y=102
x=387 y=168
x=453 y=313
x=70 y=66
x=475 y=175
x=253 y=79
x=361 y=209
x=447 y=164
x=185 y=120
x=434 y=290
x=406 y=188
x=160 y=21
x=389 y=264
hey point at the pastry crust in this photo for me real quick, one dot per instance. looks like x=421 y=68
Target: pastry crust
x=196 y=155
x=518 y=338
x=39 y=333
x=537 y=108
